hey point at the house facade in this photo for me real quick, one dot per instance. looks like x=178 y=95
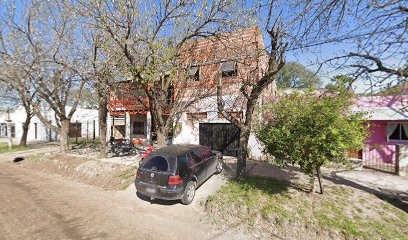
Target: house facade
x=226 y=60
x=84 y=123
x=387 y=142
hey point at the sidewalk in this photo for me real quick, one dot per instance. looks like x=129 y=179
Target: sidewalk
x=385 y=183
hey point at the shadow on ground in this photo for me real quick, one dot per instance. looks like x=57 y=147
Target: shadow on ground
x=157 y=201
x=399 y=200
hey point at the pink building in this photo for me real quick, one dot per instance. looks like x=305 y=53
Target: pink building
x=388 y=119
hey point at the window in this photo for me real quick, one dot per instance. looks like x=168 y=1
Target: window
x=35 y=130
x=195 y=158
x=228 y=69
x=397 y=131
x=205 y=153
x=139 y=128
x=170 y=94
x=194 y=73
x=156 y=163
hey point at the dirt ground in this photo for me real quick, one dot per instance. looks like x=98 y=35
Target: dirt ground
x=82 y=197
x=52 y=196
x=93 y=172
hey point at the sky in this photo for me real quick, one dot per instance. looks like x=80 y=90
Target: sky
x=309 y=57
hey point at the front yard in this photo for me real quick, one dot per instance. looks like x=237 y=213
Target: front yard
x=91 y=171
x=4 y=148
x=260 y=207
x=270 y=209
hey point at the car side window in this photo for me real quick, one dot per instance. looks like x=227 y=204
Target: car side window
x=195 y=158
x=205 y=153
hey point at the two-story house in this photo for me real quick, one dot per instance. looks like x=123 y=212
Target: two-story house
x=229 y=60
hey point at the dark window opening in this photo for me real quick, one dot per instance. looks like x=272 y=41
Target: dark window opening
x=228 y=69
x=399 y=133
x=170 y=94
x=156 y=163
x=195 y=158
x=35 y=130
x=139 y=128
x=194 y=73
x=13 y=131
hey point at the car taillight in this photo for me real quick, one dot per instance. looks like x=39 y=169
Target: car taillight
x=175 y=180
x=138 y=174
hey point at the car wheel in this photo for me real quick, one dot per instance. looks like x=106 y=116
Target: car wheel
x=219 y=167
x=189 y=193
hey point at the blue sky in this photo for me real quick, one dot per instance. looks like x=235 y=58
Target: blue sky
x=308 y=57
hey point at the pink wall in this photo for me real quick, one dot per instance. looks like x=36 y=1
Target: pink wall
x=380 y=150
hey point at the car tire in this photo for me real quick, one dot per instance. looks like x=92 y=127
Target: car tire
x=219 y=167
x=189 y=193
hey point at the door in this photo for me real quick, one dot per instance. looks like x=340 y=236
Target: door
x=223 y=137
x=197 y=166
x=210 y=160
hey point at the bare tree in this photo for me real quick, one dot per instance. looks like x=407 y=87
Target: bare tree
x=47 y=33
x=18 y=82
x=150 y=36
x=377 y=40
x=302 y=27
x=17 y=64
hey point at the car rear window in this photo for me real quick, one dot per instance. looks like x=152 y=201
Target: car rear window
x=156 y=163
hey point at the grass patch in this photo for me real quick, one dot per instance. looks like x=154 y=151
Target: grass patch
x=83 y=141
x=341 y=212
x=127 y=177
x=36 y=157
x=5 y=149
x=129 y=173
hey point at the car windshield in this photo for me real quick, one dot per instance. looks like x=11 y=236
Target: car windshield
x=156 y=163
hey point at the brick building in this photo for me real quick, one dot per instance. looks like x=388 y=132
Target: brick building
x=226 y=59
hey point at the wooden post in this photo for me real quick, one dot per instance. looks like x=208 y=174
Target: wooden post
x=76 y=128
x=397 y=159
x=93 y=128
x=87 y=130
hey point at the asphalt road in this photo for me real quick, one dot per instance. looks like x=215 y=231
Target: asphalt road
x=34 y=205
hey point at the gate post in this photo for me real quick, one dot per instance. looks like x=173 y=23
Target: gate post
x=402 y=160
x=397 y=159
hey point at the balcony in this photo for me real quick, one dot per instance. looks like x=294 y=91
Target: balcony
x=133 y=106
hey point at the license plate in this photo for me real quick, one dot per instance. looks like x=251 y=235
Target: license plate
x=150 y=190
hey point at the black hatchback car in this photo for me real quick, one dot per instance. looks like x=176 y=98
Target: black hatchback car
x=174 y=172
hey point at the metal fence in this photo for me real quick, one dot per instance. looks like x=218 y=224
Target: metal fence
x=381 y=157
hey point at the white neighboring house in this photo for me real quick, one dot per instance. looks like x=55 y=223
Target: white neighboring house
x=87 y=119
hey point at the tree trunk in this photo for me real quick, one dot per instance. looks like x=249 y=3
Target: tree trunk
x=312 y=183
x=64 y=140
x=319 y=177
x=242 y=155
x=26 y=124
x=102 y=115
x=161 y=136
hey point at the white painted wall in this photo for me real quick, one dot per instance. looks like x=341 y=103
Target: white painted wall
x=189 y=133
x=18 y=117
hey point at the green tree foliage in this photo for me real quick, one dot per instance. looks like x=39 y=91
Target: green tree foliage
x=310 y=130
x=295 y=75
x=340 y=84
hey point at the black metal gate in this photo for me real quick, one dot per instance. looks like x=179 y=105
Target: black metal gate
x=223 y=137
